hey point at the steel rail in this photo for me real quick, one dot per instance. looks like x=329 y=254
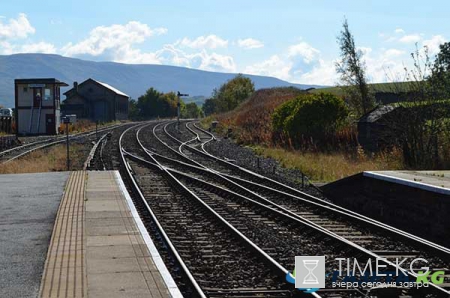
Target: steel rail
x=166 y=238
x=330 y=207
x=283 y=212
x=282 y=271
x=351 y=214
x=71 y=137
x=289 y=214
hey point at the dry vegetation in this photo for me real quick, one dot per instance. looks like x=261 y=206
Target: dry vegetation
x=48 y=160
x=327 y=167
x=252 y=119
x=251 y=123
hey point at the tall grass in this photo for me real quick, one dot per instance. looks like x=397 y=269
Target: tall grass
x=47 y=160
x=327 y=167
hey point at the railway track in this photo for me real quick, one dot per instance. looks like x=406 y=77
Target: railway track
x=325 y=216
x=208 y=213
x=9 y=155
x=217 y=257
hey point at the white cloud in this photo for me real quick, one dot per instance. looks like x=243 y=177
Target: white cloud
x=410 y=38
x=250 y=43
x=171 y=54
x=274 y=67
x=115 y=42
x=304 y=50
x=323 y=73
x=393 y=53
x=40 y=47
x=16 y=28
x=399 y=31
x=433 y=44
x=204 y=42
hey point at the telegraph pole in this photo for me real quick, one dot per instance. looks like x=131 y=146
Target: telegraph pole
x=179 y=108
x=67 y=121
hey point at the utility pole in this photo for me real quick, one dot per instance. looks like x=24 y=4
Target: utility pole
x=179 y=108
x=66 y=122
x=96 y=130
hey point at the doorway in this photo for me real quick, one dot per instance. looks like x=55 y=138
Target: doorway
x=50 y=128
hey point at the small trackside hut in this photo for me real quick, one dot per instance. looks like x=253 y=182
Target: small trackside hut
x=37 y=106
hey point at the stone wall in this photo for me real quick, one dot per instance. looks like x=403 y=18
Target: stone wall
x=419 y=212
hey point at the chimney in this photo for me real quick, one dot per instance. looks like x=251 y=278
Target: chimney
x=75 y=86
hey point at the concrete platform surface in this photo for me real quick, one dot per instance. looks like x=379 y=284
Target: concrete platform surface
x=435 y=181
x=100 y=247
x=28 y=207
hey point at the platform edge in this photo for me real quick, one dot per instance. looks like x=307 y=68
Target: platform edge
x=167 y=277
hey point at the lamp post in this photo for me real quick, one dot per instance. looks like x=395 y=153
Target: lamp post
x=179 y=107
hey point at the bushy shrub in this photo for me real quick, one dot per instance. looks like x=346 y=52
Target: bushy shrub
x=310 y=116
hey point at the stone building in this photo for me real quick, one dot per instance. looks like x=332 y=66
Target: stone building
x=96 y=101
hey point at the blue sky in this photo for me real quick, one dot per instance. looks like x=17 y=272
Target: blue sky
x=291 y=40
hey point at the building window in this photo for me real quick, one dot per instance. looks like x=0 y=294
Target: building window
x=25 y=89
x=47 y=94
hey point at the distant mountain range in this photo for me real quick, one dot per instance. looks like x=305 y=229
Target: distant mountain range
x=133 y=79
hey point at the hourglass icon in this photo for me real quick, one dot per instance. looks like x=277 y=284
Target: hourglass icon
x=310 y=278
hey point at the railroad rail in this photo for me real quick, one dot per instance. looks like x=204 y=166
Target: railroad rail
x=216 y=222
x=337 y=229
x=207 y=239
x=14 y=153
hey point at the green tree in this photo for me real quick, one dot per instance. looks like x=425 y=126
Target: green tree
x=315 y=116
x=232 y=93
x=148 y=104
x=440 y=72
x=133 y=111
x=192 y=111
x=209 y=106
x=352 y=70
x=156 y=104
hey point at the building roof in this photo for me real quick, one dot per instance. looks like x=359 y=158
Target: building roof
x=376 y=113
x=40 y=81
x=118 y=92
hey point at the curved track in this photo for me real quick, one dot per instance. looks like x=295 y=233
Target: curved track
x=210 y=212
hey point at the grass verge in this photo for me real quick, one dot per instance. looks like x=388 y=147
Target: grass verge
x=52 y=159
x=328 y=167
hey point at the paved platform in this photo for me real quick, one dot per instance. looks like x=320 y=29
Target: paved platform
x=100 y=247
x=28 y=207
x=434 y=181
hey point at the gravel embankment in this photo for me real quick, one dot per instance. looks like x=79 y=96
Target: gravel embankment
x=246 y=157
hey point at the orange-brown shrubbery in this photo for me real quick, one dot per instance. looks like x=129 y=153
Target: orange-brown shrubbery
x=253 y=118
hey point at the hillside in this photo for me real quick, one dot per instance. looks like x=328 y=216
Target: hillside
x=133 y=79
x=375 y=87
x=253 y=118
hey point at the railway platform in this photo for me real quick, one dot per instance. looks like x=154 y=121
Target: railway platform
x=92 y=242
x=414 y=201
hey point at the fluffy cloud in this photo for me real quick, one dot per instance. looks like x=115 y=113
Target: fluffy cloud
x=274 y=67
x=433 y=44
x=204 y=42
x=410 y=38
x=303 y=49
x=399 y=31
x=16 y=28
x=40 y=47
x=115 y=42
x=250 y=43
x=172 y=54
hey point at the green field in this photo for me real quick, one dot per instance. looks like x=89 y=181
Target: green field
x=377 y=87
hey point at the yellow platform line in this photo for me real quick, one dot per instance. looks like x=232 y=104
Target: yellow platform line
x=65 y=270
